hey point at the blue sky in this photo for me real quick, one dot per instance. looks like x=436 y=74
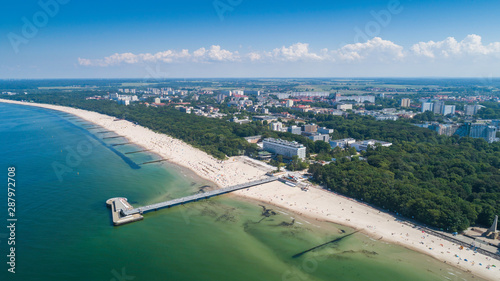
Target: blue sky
x=91 y=39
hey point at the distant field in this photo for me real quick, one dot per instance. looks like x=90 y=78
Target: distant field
x=138 y=84
x=66 y=88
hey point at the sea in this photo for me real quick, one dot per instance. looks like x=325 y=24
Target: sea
x=65 y=170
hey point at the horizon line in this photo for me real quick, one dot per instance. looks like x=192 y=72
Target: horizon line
x=211 y=78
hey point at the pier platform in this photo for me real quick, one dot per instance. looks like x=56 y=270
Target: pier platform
x=118 y=204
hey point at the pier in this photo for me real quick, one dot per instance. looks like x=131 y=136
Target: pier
x=115 y=137
x=117 y=205
x=167 y=204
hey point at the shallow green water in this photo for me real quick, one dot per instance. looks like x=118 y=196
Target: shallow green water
x=64 y=229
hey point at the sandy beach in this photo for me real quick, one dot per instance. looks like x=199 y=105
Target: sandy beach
x=316 y=203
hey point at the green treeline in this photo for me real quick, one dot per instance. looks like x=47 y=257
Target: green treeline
x=446 y=182
x=450 y=184
x=491 y=110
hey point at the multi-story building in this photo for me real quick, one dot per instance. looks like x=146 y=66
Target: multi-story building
x=483 y=131
x=427 y=106
x=324 y=130
x=310 y=94
x=220 y=98
x=284 y=148
x=315 y=136
x=276 y=126
x=358 y=99
x=344 y=106
x=472 y=109
x=265 y=118
x=444 y=129
x=289 y=103
x=448 y=109
x=310 y=128
x=386 y=117
x=185 y=109
x=405 y=102
x=438 y=107
x=295 y=130
x=123 y=99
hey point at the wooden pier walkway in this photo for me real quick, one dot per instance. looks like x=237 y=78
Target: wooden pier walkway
x=196 y=197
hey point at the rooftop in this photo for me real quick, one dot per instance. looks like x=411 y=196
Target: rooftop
x=284 y=142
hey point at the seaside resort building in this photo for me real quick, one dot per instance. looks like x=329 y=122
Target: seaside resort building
x=285 y=148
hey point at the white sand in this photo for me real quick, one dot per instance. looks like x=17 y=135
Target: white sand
x=315 y=203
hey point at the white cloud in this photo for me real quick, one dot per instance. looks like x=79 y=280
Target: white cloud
x=84 y=62
x=166 y=56
x=471 y=46
x=376 y=50
x=254 y=56
x=214 y=54
x=296 y=52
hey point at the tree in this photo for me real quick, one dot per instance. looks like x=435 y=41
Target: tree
x=322 y=147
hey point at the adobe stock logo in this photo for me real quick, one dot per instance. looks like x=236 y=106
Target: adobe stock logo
x=381 y=19
x=223 y=6
x=40 y=19
x=74 y=157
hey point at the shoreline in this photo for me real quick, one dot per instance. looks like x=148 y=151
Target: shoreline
x=317 y=204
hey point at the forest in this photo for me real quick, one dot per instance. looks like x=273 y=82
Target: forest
x=446 y=182
x=490 y=111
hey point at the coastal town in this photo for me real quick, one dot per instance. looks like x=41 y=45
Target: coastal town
x=473 y=249
x=250 y=140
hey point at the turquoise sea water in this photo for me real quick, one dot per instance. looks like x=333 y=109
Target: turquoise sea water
x=66 y=170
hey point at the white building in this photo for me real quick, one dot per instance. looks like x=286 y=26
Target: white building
x=358 y=99
x=317 y=136
x=276 y=126
x=427 y=106
x=295 y=130
x=285 y=148
x=344 y=106
x=310 y=94
x=448 y=109
x=125 y=102
x=325 y=130
x=438 y=107
x=363 y=145
x=472 y=109
x=483 y=131
x=342 y=143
